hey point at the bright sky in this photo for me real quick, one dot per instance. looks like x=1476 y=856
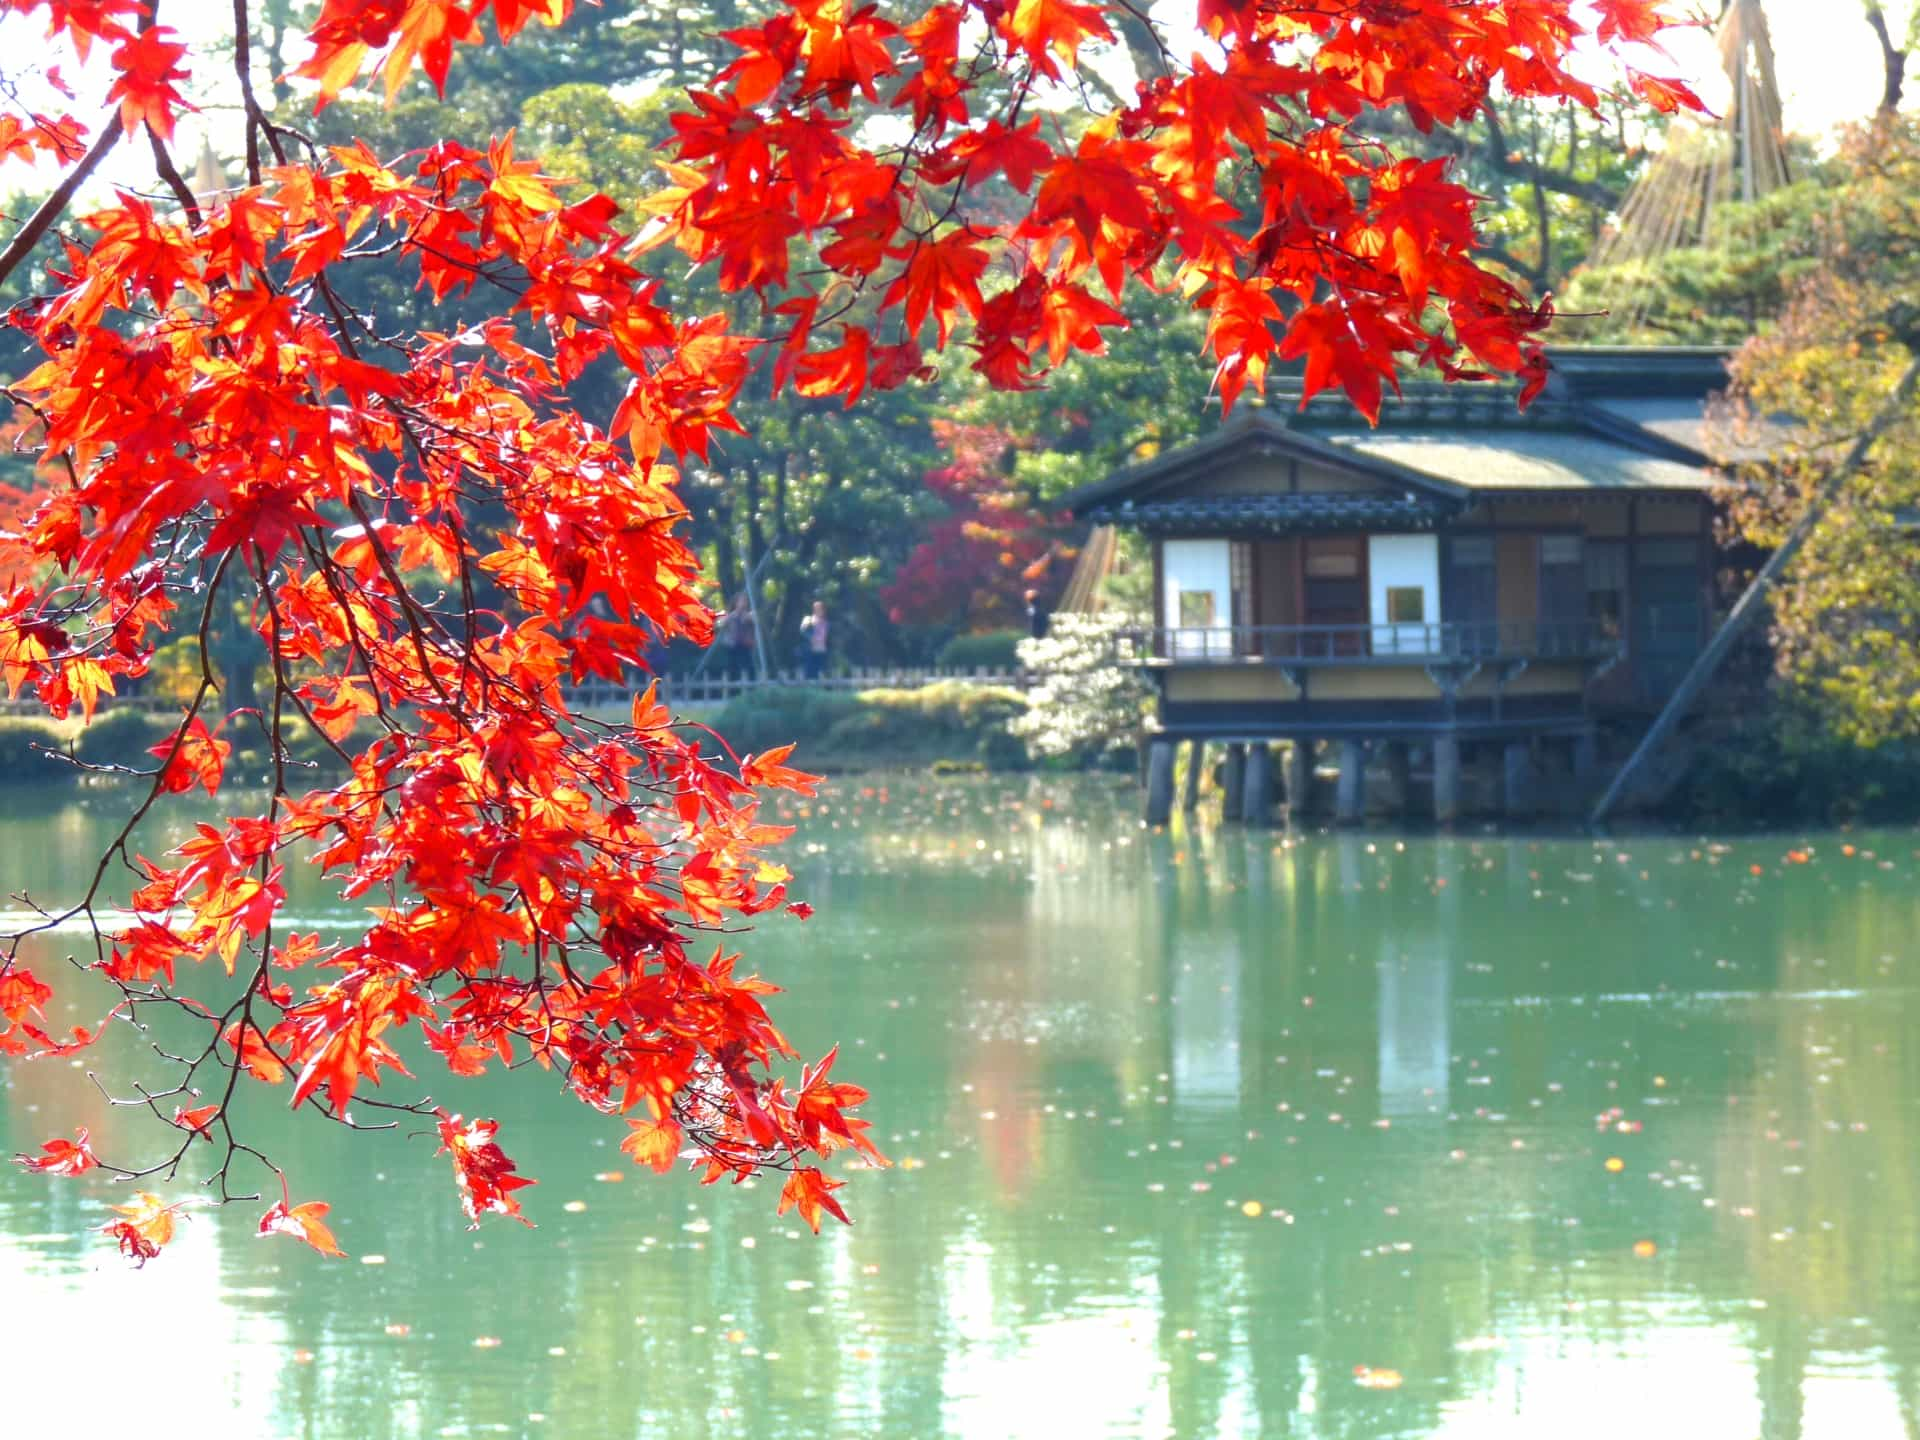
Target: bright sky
x=1828 y=64
x=1826 y=58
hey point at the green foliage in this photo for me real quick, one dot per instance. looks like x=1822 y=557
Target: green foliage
x=1085 y=706
x=1847 y=613
x=1790 y=766
x=878 y=729
x=1756 y=256
x=987 y=650
x=23 y=743
x=122 y=736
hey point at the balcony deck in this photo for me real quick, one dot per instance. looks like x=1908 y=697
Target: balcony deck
x=1447 y=642
x=1468 y=678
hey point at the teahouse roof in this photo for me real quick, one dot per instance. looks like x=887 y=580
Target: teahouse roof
x=1614 y=420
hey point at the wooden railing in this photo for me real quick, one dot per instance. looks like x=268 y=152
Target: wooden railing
x=680 y=689
x=1409 y=642
x=717 y=689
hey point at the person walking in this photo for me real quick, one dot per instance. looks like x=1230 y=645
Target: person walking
x=814 y=631
x=736 y=639
x=1037 y=616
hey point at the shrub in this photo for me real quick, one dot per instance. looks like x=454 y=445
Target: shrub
x=953 y=719
x=987 y=650
x=1778 y=768
x=771 y=715
x=122 y=736
x=23 y=739
x=1085 y=705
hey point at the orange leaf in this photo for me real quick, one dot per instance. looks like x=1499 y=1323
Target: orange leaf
x=811 y=1192
x=146 y=1226
x=62 y=1157
x=304 y=1223
x=654 y=1142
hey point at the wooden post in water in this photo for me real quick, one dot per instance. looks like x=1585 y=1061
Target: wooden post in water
x=1257 y=806
x=1446 y=779
x=1196 y=758
x=1233 y=782
x=1518 y=790
x=1159 y=782
x=1299 y=779
x=1351 y=797
x=1400 y=773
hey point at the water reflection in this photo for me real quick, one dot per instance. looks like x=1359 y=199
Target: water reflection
x=1197 y=1132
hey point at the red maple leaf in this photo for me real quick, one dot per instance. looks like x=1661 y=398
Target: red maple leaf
x=148 y=66
x=62 y=1157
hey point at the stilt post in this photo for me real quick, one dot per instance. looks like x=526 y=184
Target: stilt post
x=1159 y=782
x=1233 y=782
x=1352 y=794
x=1446 y=779
x=1257 y=806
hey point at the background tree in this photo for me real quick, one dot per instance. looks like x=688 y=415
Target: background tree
x=1847 y=616
x=433 y=528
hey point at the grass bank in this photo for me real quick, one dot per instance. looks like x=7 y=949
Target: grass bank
x=32 y=747
x=951 y=724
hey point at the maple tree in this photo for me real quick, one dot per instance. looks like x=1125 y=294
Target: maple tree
x=431 y=540
x=991 y=547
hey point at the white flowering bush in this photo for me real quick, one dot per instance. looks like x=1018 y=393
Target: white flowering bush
x=1085 y=704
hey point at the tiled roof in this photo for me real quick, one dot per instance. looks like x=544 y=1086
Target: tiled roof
x=1276 y=514
x=1526 y=459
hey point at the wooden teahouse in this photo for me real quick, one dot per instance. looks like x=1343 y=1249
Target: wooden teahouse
x=1463 y=574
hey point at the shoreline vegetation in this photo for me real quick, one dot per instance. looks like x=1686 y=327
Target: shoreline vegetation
x=1766 y=769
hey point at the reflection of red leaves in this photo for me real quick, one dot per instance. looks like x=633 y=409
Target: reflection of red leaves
x=305 y=1223
x=481 y=1168
x=811 y=1192
x=62 y=1157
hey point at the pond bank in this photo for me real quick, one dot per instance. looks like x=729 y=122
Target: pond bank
x=1742 y=772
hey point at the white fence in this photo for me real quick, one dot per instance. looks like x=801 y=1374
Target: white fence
x=717 y=689
x=677 y=689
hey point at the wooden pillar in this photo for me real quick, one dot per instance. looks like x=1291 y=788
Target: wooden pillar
x=1159 y=782
x=1196 y=760
x=1352 y=794
x=1586 y=758
x=1446 y=779
x=1519 y=788
x=1257 y=807
x=1233 y=782
x=1400 y=769
x=1299 y=778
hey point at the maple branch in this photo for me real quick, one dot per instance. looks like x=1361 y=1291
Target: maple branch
x=51 y=209
x=169 y=172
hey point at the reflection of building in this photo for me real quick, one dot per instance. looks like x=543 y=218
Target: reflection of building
x=1413 y=1030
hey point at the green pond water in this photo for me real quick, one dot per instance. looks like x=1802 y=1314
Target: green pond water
x=1210 y=1133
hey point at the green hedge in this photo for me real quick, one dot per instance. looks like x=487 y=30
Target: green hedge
x=988 y=650
x=1776 y=770
x=20 y=760
x=123 y=737
x=875 y=729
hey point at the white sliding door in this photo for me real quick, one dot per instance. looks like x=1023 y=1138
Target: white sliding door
x=1404 y=580
x=1197 y=597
